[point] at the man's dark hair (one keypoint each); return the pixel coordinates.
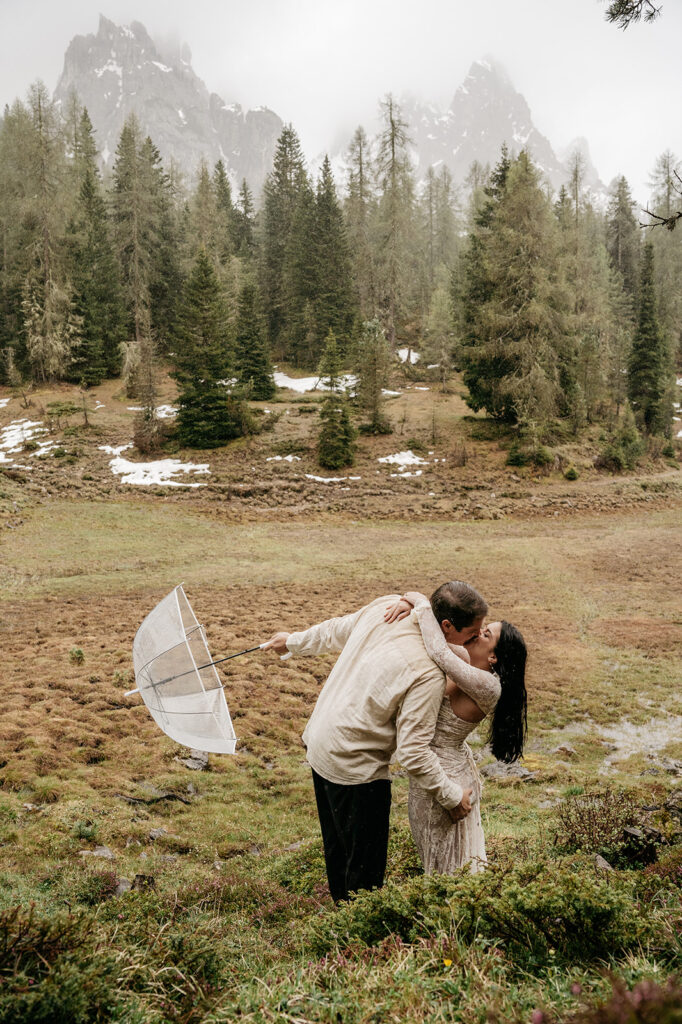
(459, 603)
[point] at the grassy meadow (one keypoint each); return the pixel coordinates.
(135, 889)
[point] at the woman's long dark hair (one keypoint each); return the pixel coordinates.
(509, 723)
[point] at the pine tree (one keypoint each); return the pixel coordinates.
(335, 307)
(359, 209)
(394, 219)
(623, 237)
(281, 194)
(647, 386)
(373, 366)
(439, 338)
(165, 276)
(243, 224)
(253, 365)
(335, 446)
(514, 304)
(97, 292)
(93, 270)
(51, 325)
(300, 281)
(204, 223)
(208, 415)
(135, 229)
(225, 213)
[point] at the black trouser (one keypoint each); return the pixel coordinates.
(354, 822)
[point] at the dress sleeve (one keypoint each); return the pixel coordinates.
(482, 687)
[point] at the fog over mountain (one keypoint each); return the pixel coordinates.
(120, 70)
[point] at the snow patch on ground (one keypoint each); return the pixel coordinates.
(385, 391)
(166, 412)
(407, 458)
(163, 412)
(159, 473)
(115, 451)
(303, 384)
(331, 479)
(402, 356)
(44, 447)
(14, 436)
(4, 402)
(417, 387)
(283, 458)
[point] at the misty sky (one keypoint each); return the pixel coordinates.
(324, 64)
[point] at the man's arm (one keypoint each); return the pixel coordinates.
(330, 635)
(415, 726)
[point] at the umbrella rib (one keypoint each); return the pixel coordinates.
(198, 668)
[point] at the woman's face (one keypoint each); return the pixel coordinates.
(482, 649)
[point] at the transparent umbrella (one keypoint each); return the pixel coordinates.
(177, 679)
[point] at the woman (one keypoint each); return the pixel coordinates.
(487, 677)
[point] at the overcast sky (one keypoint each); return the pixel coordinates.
(323, 64)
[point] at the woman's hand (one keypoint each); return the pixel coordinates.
(414, 597)
(397, 611)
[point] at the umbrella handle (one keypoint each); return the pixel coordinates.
(283, 657)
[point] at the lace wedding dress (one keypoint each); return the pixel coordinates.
(445, 845)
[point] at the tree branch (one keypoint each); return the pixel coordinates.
(657, 220)
(624, 12)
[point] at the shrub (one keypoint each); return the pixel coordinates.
(96, 887)
(571, 473)
(621, 449)
(542, 456)
(596, 823)
(517, 456)
(76, 656)
(667, 872)
(413, 444)
(538, 911)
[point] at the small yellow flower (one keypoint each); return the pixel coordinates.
(552, 952)
(447, 963)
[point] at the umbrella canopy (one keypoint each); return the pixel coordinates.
(177, 680)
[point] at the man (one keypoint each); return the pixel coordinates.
(382, 697)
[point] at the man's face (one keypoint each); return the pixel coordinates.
(461, 636)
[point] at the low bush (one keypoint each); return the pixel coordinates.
(539, 911)
(52, 971)
(96, 887)
(598, 823)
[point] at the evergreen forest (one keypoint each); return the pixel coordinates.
(559, 312)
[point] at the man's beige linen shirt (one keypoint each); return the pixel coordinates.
(382, 697)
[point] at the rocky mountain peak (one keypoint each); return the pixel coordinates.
(485, 112)
(120, 71)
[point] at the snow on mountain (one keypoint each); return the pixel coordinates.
(120, 70)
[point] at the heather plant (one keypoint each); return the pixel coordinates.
(596, 823)
(647, 1002)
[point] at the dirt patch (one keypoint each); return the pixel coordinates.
(652, 636)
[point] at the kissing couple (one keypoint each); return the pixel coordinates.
(413, 678)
